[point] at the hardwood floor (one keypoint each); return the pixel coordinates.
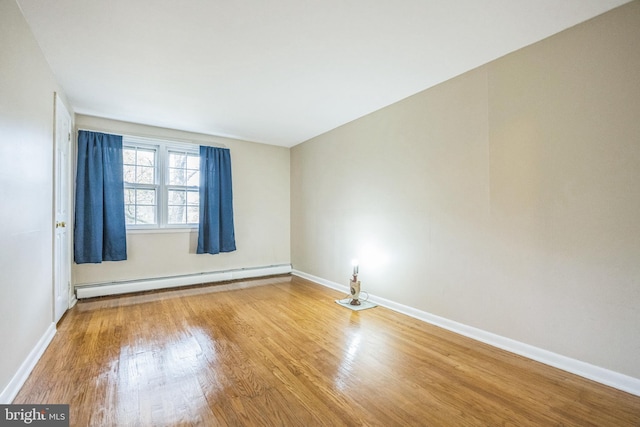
(280, 351)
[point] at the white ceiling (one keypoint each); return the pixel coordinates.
(280, 71)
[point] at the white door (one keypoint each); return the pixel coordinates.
(62, 201)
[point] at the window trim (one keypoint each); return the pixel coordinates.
(162, 148)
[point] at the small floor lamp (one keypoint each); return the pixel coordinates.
(355, 285)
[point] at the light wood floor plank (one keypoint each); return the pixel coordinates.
(280, 351)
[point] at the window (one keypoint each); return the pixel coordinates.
(183, 197)
(140, 184)
(161, 181)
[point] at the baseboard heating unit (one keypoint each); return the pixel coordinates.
(116, 288)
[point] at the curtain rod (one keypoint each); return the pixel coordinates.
(154, 137)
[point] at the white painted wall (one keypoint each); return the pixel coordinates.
(261, 214)
(507, 199)
(27, 89)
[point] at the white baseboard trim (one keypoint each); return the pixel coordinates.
(11, 390)
(601, 375)
(116, 288)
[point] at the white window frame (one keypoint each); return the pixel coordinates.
(162, 148)
(155, 186)
(188, 188)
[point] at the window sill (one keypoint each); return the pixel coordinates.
(167, 230)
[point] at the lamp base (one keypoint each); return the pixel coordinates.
(355, 292)
(363, 304)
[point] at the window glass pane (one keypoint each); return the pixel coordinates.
(193, 213)
(193, 162)
(129, 173)
(193, 178)
(177, 197)
(129, 196)
(129, 156)
(130, 214)
(146, 197)
(146, 215)
(177, 215)
(177, 160)
(193, 198)
(177, 177)
(145, 175)
(146, 157)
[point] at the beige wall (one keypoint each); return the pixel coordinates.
(507, 198)
(261, 214)
(27, 91)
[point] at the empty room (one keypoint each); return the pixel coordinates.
(320, 213)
